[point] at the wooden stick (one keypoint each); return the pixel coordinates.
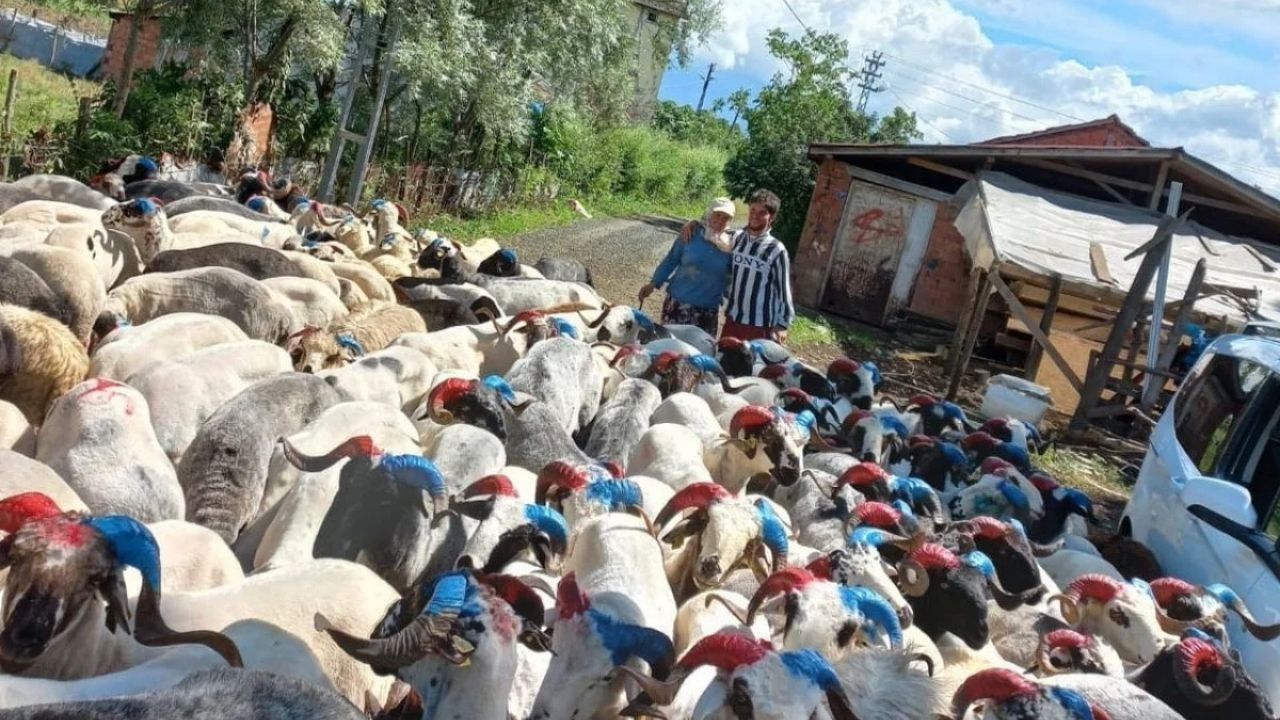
(1025, 318)
(971, 337)
(1046, 324)
(9, 96)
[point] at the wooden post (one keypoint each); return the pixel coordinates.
(1152, 392)
(1134, 302)
(9, 96)
(82, 119)
(1162, 290)
(971, 334)
(1041, 340)
(1046, 323)
(966, 314)
(1131, 357)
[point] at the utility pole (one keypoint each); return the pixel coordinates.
(869, 75)
(706, 81)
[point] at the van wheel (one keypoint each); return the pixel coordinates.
(1126, 528)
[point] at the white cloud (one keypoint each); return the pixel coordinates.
(944, 66)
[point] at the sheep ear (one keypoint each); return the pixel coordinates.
(475, 509)
(113, 591)
(748, 446)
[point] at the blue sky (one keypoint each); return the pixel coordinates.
(1197, 74)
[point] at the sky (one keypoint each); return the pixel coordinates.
(1201, 74)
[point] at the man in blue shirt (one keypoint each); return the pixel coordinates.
(696, 271)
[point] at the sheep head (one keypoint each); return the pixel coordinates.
(859, 382)
(754, 681)
(615, 323)
(941, 464)
(825, 615)
(592, 639)
(581, 494)
(312, 349)
(736, 356)
(509, 527)
(1012, 695)
(1123, 615)
(949, 593)
(731, 531)
(755, 428)
(460, 618)
(1182, 605)
(59, 564)
(1011, 553)
(1067, 651)
(1198, 679)
(860, 565)
(483, 403)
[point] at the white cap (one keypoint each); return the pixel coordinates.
(722, 205)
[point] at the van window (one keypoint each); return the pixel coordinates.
(1211, 408)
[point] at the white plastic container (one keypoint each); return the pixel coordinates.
(1009, 396)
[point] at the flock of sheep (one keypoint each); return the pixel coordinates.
(266, 458)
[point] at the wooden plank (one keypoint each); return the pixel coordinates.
(1157, 189)
(1098, 263)
(1046, 326)
(1208, 247)
(971, 337)
(1163, 231)
(1077, 288)
(1015, 342)
(1263, 260)
(966, 316)
(900, 185)
(1175, 333)
(1114, 193)
(1137, 185)
(940, 168)
(1097, 376)
(1015, 306)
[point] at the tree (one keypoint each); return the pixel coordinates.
(809, 103)
(739, 100)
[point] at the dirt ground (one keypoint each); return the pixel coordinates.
(622, 253)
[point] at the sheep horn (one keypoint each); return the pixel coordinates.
(992, 683)
(695, 495)
(559, 474)
(17, 510)
(751, 417)
(445, 393)
(913, 588)
(151, 630)
(781, 581)
(657, 692)
(358, 446)
(734, 611)
(490, 485)
(1172, 625)
(1190, 656)
(604, 312)
(1070, 606)
(1229, 598)
(405, 647)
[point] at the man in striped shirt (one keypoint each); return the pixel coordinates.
(759, 290)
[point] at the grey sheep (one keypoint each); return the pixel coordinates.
(20, 285)
(224, 694)
(72, 275)
(213, 291)
(223, 472)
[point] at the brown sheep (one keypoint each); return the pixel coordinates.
(40, 360)
(1130, 557)
(372, 328)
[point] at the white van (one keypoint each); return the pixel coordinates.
(1206, 499)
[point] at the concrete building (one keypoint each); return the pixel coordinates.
(654, 22)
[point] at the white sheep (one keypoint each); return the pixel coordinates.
(396, 375)
(310, 301)
(15, 432)
(72, 275)
(99, 438)
(64, 189)
(129, 348)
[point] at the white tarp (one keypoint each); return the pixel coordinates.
(1044, 231)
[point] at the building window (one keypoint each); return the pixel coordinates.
(653, 16)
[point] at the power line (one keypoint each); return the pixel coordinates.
(987, 104)
(796, 15)
(919, 117)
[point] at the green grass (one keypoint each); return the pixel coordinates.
(1088, 472)
(518, 220)
(44, 96)
(812, 329)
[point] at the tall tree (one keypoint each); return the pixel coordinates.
(810, 102)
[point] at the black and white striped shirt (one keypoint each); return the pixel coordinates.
(760, 288)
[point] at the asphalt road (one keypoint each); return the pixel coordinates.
(621, 252)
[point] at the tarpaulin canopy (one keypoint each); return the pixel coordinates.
(1007, 220)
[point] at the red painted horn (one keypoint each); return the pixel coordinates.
(1094, 587)
(522, 598)
(625, 352)
(562, 475)
(923, 400)
(695, 495)
(820, 567)
(358, 446)
(917, 440)
(772, 372)
(864, 474)
(988, 528)
(665, 360)
(977, 439)
(992, 465)
(445, 393)
(1168, 589)
(991, 684)
(729, 343)
(490, 485)
(17, 510)
(570, 600)
(725, 650)
(1067, 639)
(932, 556)
(854, 418)
(878, 514)
(751, 417)
(783, 581)
(842, 366)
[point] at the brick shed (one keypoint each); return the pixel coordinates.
(881, 244)
(151, 49)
